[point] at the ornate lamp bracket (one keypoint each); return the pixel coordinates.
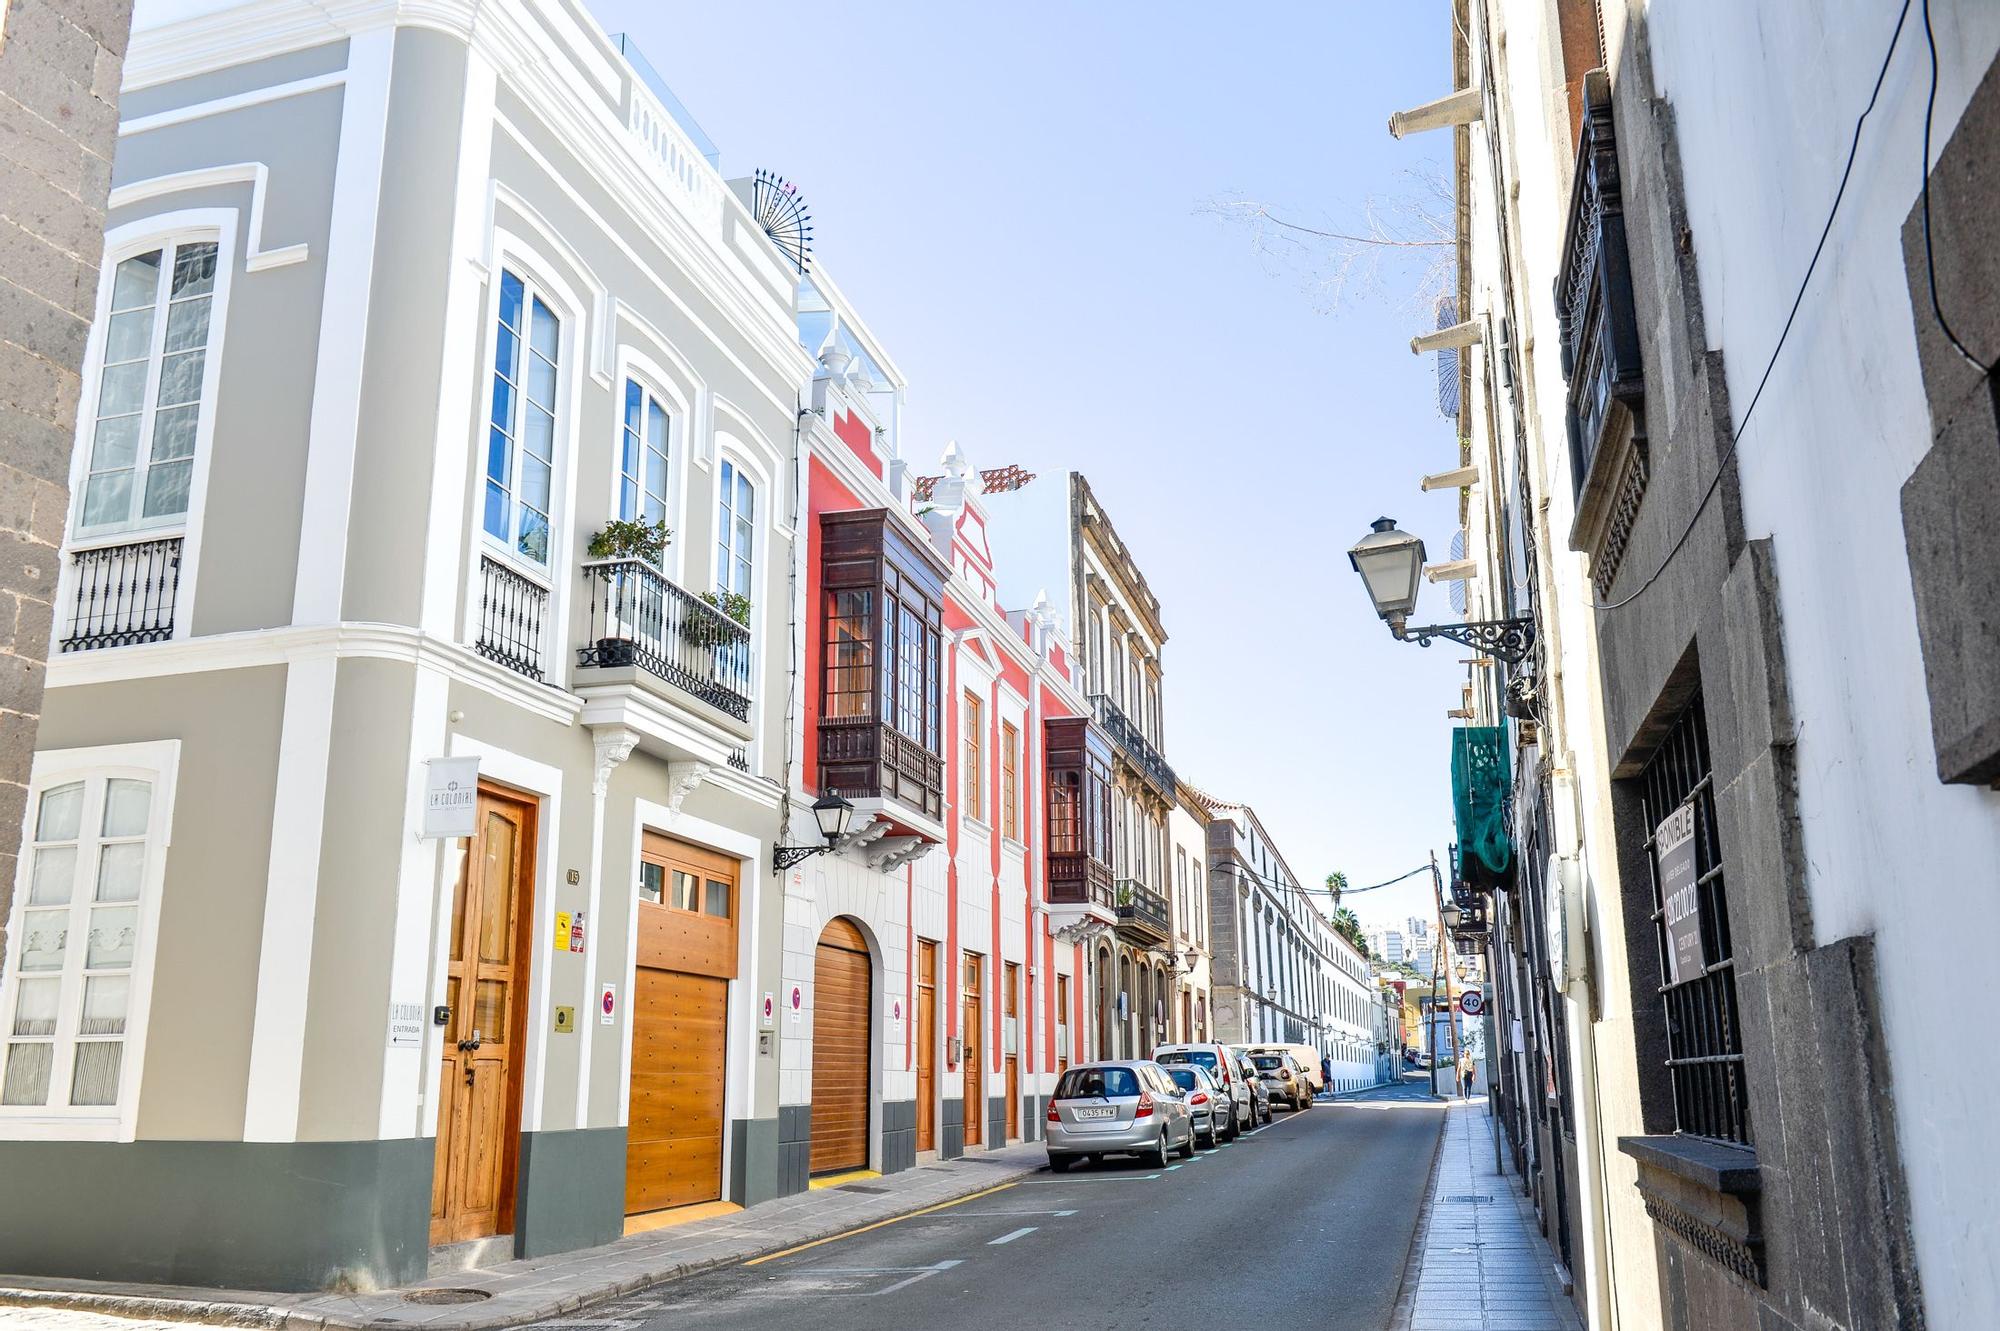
(1509, 639)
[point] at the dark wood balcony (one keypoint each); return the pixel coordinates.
(1142, 914)
(870, 760)
(1079, 880)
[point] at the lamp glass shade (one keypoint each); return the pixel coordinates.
(1390, 563)
(1452, 915)
(832, 813)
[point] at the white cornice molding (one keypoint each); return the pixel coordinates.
(254, 174)
(270, 647)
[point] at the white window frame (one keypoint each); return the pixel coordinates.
(156, 762)
(533, 290)
(512, 254)
(667, 389)
(730, 465)
(121, 243)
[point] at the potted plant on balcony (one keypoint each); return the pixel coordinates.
(703, 631)
(624, 539)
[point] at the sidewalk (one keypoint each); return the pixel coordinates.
(1480, 1262)
(541, 1288)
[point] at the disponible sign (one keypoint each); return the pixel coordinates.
(451, 797)
(1680, 899)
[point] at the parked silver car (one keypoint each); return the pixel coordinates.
(1225, 1067)
(1210, 1108)
(1118, 1108)
(1260, 1095)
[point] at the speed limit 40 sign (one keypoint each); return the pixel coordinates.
(1470, 1003)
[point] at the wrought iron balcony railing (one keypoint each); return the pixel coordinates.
(639, 618)
(1142, 912)
(513, 617)
(1132, 742)
(124, 594)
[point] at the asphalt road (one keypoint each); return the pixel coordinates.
(1305, 1223)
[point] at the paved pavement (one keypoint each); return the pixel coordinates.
(1306, 1222)
(1483, 1264)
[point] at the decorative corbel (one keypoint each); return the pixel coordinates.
(612, 746)
(682, 778)
(861, 834)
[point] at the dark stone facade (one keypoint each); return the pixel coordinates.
(794, 1149)
(234, 1215)
(951, 1140)
(571, 1190)
(60, 65)
(996, 1121)
(1951, 503)
(899, 1135)
(753, 1161)
(1808, 1225)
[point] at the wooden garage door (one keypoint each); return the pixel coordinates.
(673, 1153)
(680, 993)
(840, 1051)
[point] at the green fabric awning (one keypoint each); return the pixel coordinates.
(1479, 783)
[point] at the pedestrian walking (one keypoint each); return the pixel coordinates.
(1465, 1075)
(1326, 1074)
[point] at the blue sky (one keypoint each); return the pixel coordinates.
(1015, 198)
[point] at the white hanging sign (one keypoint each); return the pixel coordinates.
(451, 797)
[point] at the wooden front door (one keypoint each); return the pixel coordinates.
(680, 1020)
(1010, 995)
(840, 1068)
(486, 986)
(1062, 1024)
(926, 1045)
(975, 1056)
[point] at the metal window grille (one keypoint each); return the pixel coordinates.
(124, 594)
(1704, 1034)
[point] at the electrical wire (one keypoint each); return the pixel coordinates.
(1736, 435)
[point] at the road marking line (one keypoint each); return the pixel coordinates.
(1172, 1168)
(1022, 1232)
(1109, 1178)
(863, 1229)
(1004, 1215)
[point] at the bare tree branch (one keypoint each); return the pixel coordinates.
(1405, 245)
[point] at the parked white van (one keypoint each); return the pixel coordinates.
(1307, 1056)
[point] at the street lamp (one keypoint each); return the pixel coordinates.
(831, 812)
(1390, 563)
(1452, 915)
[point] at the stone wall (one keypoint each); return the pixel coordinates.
(60, 63)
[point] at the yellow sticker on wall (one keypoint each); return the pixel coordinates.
(562, 931)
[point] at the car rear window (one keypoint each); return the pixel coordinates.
(1087, 1083)
(1183, 1078)
(1269, 1062)
(1199, 1057)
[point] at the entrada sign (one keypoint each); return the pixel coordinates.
(1680, 898)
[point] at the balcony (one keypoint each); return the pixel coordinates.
(1137, 749)
(639, 620)
(1142, 914)
(1600, 346)
(1080, 880)
(513, 618)
(124, 594)
(870, 760)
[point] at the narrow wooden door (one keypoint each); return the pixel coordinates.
(840, 1054)
(1062, 1024)
(1010, 995)
(975, 1056)
(926, 1045)
(479, 1085)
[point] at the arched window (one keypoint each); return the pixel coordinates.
(521, 441)
(642, 457)
(147, 400)
(735, 530)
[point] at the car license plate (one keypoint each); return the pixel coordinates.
(1106, 1112)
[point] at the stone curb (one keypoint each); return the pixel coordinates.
(273, 1317)
(1413, 1261)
